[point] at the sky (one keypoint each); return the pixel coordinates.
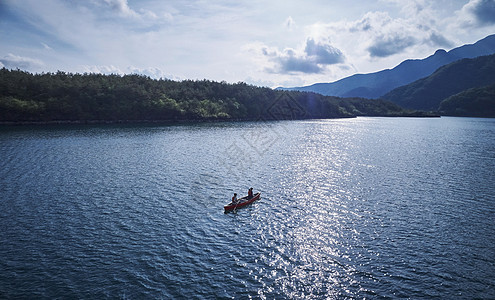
(266, 43)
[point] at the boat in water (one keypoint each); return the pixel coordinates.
(244, 201)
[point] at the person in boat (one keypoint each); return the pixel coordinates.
(250, 193)
(234, 199)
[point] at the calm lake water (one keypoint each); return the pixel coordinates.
(351, 208)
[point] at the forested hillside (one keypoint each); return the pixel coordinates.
(429, 92)
(475, 102)
(49, 97)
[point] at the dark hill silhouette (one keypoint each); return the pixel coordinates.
(475, 102)
(374, 85)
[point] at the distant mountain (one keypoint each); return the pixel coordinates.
(374, 85)
(475, 102)
(427, 93)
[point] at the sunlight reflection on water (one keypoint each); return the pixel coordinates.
(314, 261)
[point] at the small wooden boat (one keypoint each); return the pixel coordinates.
(242, 202)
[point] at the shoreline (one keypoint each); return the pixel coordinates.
(193, 121)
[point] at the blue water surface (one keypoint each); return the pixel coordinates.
(351, 208)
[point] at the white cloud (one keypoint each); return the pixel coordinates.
(323, 52)
(377, 35)
(121, 7)
(386, 45)
(46, 47)
(436, 39)
(478, 13)
(151, 72)
(109, 69)
(409, 8)
(384, 35)
(313, 57)
(375, 41)
(11, 61)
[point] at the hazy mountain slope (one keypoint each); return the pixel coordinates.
(374, 85)
(427, 93)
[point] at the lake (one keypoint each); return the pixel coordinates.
(350, 208)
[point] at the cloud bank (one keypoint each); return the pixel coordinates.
(312, 58)
(415, 29)
(254, 41)
(11, 61)
(151, 72)
(381, 35)
(384, 46)
(481, 11)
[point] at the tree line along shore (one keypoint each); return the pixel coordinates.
(93, 98)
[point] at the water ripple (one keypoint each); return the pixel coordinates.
(362, 208)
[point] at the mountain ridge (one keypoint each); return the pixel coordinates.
(428, 93)
(377, 84)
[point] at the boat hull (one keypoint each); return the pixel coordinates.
(244, 201)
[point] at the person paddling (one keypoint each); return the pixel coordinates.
(234, 199)
(250, 193)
